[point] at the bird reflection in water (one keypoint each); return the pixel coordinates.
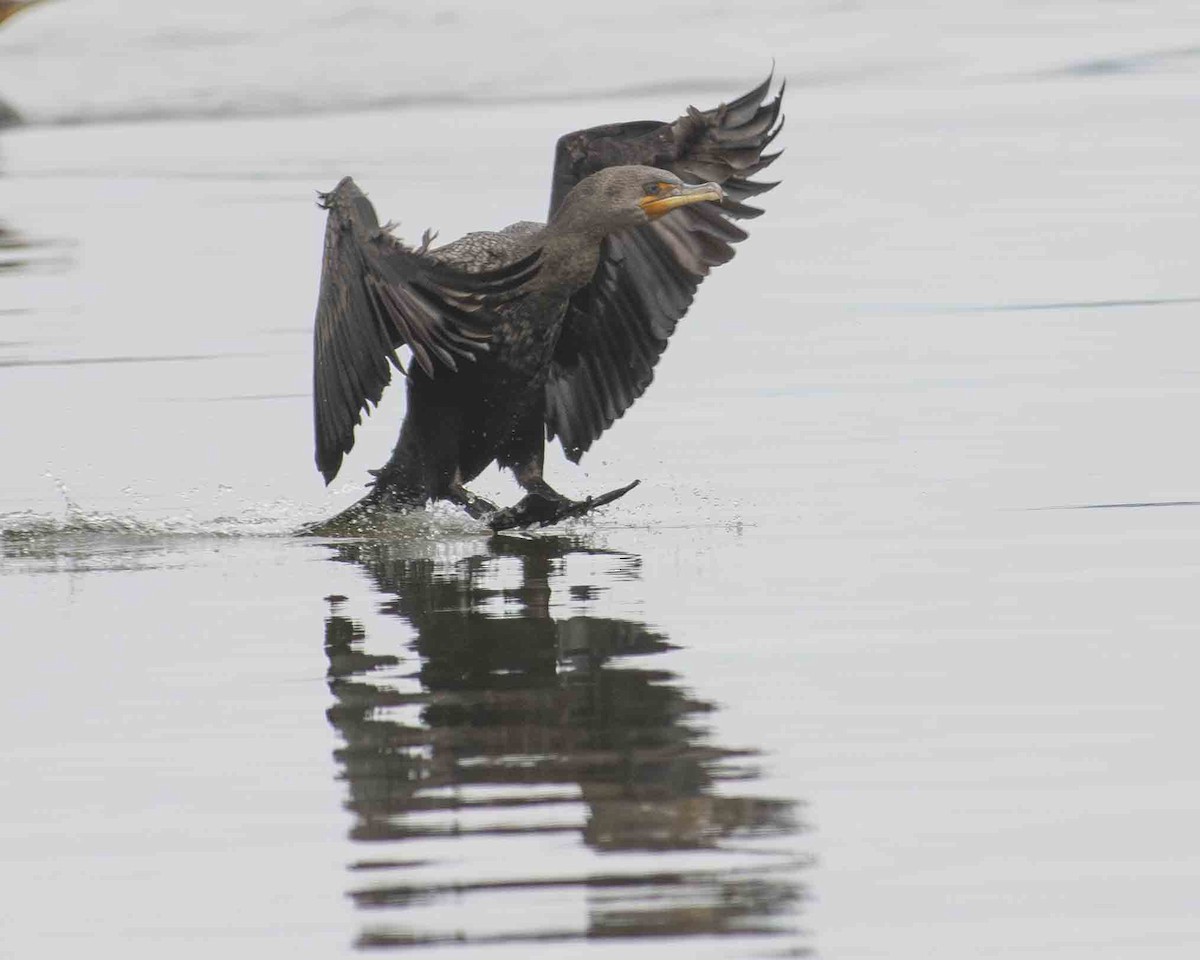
(530, 724)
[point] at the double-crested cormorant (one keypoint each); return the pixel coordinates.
(537, 331)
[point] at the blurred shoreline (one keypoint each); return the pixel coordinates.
(70, 63)
(700, 88)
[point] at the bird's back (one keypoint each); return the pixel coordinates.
(486, 250)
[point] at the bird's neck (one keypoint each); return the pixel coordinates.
(570, 253)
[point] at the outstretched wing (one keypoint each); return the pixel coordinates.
(724, 145)
(377, 295)
(617, 326)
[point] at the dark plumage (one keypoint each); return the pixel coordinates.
(537, 331)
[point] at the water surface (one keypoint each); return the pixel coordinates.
(891, 652)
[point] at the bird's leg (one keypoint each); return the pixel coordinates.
(477, 506)
(541, 503)
(529, 476)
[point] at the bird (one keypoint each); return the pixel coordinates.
(537, 331)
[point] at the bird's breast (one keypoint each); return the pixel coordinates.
(524, 339)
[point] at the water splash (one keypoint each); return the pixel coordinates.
(80, 540)
(153, 528)
(76, 538)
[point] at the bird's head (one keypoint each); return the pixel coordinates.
(617, 198)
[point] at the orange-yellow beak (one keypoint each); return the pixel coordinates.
(681, 196)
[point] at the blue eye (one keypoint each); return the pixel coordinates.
(652, 189)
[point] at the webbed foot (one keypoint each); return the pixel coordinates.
(544, 507)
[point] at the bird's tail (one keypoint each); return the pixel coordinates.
(400, 485)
